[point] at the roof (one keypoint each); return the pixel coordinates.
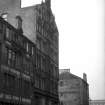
(67, 76)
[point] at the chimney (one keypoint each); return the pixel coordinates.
(84, 77)
(19, 24)
(48, 3)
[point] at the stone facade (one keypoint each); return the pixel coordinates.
(38, 24)
(13, 9)
(72, 90)
(39, 30)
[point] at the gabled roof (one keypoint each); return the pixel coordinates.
(67, 76)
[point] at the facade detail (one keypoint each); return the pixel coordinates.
(72, 89)
(29, 71)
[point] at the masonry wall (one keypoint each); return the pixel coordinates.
(72, 90)
(13, 9)
(9, 4)
(69, 93)
(29, 22)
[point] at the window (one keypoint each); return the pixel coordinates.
(6, 82)
(61, 83)
(13, 35)
(61, 94)
(25, 63)
(7, 33)
(32, 50)
(12, 82)
(11, 57)
(43, 64)
(18, 61)
(1, 26)
(37, 82)
(26, 88)
(10, 35)
(39, 43)
(42, 83)
(27, 47)
(9, 81)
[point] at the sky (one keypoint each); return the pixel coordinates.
(81, 40)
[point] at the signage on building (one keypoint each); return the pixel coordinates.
(10, 97)
(26, 100)
(15, 98)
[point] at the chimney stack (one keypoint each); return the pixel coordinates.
(48, 3)
(84, 77)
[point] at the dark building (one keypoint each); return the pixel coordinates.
(28, 68)
(17, 57)
(72, 89)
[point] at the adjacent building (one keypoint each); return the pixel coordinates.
(29, 71)
(97, 102)
(73, 90)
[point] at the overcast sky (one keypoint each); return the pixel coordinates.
(81, 39)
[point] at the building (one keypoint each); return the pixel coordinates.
(16, 66)
(38, 24)
(72, 89)
(22, 78)
(97, 102)
(28, 54)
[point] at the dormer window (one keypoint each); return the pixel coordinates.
(19, 23)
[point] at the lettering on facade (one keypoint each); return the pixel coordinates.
(26, 100)
(8, 97)
(5, 68)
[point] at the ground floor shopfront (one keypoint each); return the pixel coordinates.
(43, 98)
(35, 99)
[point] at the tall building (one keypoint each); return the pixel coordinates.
(38, 25)
(29, 54)
(72, 89)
